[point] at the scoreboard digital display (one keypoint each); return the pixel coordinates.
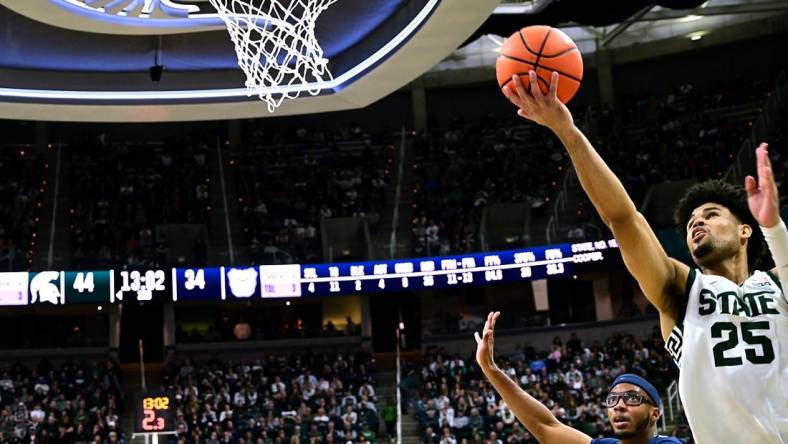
(295, 280)
(154, 413)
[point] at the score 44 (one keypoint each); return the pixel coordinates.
(84, 282)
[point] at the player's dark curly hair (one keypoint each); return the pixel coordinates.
(732, 197)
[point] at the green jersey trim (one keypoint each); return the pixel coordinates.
(688, 286)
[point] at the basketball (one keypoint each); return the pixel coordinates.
(542, 49)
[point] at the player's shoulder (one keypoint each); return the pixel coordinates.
(654, 440)
(764, 278)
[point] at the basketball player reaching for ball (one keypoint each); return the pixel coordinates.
(725, 325)
(633, 404)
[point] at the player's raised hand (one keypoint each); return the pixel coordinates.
(484, 343)
(762, 193)
(544, 109)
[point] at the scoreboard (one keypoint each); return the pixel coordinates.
(153, 413)
(296, 280)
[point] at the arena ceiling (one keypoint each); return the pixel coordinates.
(90, 60)
(654, 22)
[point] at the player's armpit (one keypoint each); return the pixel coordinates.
(661, 278)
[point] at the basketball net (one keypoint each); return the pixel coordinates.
(276, 46)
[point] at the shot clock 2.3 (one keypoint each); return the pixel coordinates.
(154, 414)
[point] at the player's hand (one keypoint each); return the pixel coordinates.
(484, 344)
(544, 109)
(762, 193)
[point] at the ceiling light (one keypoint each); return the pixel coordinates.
(690, 18)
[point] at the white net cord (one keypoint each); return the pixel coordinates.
(276, 46)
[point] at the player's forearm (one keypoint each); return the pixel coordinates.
(531, 413)
(777, 239)
(605, 190)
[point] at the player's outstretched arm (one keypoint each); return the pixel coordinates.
(660, 277)
(531, 413)
(764, 204)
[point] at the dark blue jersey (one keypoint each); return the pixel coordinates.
(654, 440)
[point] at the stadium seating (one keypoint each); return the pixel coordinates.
(684, 135)
(74, 402)
(285, 184)
(20, 200)
(461, 169)
(124, 191)
(308, 398)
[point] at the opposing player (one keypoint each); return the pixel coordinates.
(725, 325)
(633, 404)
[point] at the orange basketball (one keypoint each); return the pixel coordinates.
(542, 49)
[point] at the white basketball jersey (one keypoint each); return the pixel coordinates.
(732, 352)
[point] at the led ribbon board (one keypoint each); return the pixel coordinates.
(56, 287)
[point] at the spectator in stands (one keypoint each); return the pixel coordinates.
(330, 328)
(351, 327)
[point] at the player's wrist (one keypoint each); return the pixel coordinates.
(482, 365)
(488, 368)
(565, 131)
(770, 225)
